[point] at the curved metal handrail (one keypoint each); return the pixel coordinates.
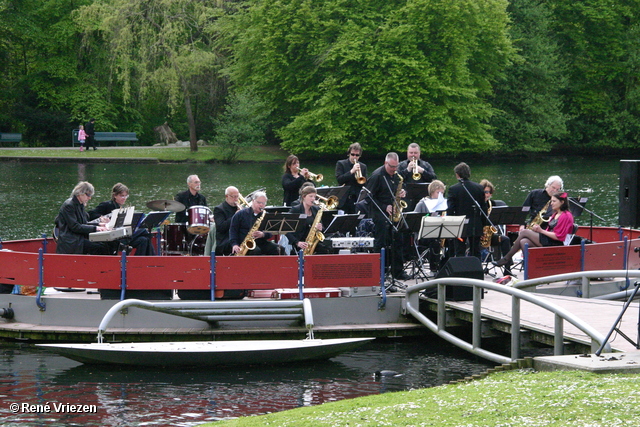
(579, 275)
(412, 301)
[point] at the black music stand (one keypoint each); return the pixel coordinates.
(342, 224)
(277, 209)
(340, 192)
(282, 223)
(154, 219)
(412, 222)
(576, 205)
(416, 190)
(502, 215)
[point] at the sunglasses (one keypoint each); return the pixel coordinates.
(354, 154)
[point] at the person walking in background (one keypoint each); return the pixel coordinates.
(82, 136)
(90, 131)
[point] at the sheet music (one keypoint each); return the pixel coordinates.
(436, 205)
(121, 217)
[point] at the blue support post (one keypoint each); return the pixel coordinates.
(620, 233)
(383, 292)
(212, 261)
(625, 258)
(40, 303)
(525, 260)
(583, 250)
(123, 274)
(158, 242)
(44, 242)
(300, 274)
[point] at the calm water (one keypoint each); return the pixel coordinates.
(181, 397)
(30, 196)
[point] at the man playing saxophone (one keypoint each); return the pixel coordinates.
(309, 238)
(243, 222)
(384, 188)
(539, 198)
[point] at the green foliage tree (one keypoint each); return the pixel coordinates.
(529, 100)
(381, 72)
(243, 124)
(161, 46)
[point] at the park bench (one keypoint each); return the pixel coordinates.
(10, 138)
(114, 137)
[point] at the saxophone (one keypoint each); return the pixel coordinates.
(314, 235)
(398, 203)
(488, 231)
(249, 243)
(539, 219)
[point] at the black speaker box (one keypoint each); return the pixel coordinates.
(143, 294)
(629, 212)
(468, 266)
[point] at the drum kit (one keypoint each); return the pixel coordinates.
(184, 239)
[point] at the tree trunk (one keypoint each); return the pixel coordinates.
(193, 140)
(165, 135)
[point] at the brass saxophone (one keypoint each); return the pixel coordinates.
(398, 203)
(488, 231)
(539, 219)
(314, 235)
(249, 243)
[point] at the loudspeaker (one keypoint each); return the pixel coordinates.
(629, 213)
(468, 266)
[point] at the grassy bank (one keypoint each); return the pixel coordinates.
(164, 154)
(515, 398)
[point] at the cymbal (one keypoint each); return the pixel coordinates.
(166, 205)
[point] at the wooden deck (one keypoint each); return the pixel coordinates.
(599, 314)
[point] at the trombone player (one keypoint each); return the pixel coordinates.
(351, 172)
(414, 169)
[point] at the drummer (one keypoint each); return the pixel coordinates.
(190, 197)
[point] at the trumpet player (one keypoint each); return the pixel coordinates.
(293, 179)
(351, 172)
(539, 198)
(414, 169)
(242, 222)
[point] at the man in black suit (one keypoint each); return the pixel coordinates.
(222, 215)
(346, 170)
(90, 130)
(412, 164)
(467, 198)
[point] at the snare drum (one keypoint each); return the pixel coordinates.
(199, 220)
(174, 236)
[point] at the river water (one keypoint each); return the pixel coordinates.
(30, 196)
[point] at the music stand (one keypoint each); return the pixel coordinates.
(501, 215)
(277, 209)
(282, 223)
(412, 222)
(441, 227)
(154, 219)
(416, 190)
(340, 192)
(576, 205)
(341, 224)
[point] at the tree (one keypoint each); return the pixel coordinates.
(381, 72)
(160, 45)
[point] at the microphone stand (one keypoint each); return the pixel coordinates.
(476, 208)
(591, 215)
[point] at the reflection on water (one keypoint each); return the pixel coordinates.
(31, 193)
(186, 397)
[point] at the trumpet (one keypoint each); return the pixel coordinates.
(312, 176)
(330, 202)
(359, 178)
(416, 175)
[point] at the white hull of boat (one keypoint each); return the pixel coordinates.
(206, 353)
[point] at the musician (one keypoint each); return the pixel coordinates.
(141, 239)
(72, 223)
(293, 179)
(308, 207)
(346, 170)
(500, 239)
(383, 187)
(467, 198)
(436, 190)
(560, 225)
(538, 199)
(190, 197)
(243, 221)
(406, 169)
(222, 215)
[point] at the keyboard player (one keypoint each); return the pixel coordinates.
(73, 227)
(141, 239)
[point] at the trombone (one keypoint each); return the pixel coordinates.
(416, 175)
(330, 202)
(242, 201)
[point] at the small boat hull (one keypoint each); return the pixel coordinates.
(206, 353)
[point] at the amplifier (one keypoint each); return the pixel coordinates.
(352, 242)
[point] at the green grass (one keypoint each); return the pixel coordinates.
(515, 398)
(266, 153)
